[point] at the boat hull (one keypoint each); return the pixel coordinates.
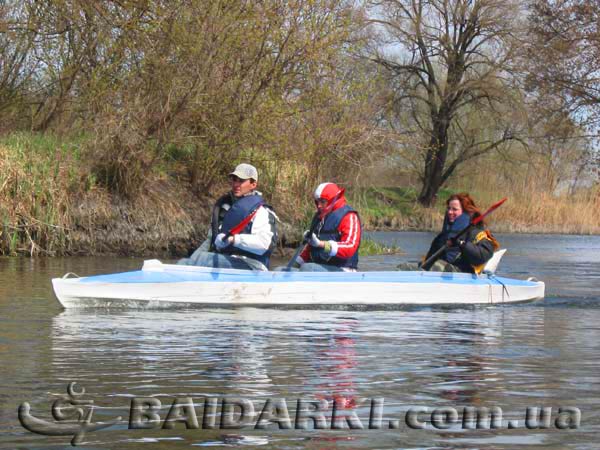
(158, 285)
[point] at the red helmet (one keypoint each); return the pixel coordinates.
(331, 193)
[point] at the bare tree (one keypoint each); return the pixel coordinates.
(564, 55)
(562, 59)
(448, 60)
(16, 47)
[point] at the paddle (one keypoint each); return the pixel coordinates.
(296, 253)
(240, 226)
(433, 258)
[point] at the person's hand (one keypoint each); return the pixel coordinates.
(306, 236)
(453, 242)
(298, 262)
(315, 242)
(221, 242)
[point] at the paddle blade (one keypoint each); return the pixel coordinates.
(495, 206)
(240, 226)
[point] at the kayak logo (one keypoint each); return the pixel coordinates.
(73, 416)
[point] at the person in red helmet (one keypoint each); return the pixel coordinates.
(334, 235)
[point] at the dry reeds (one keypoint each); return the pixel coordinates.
(51, 205)
(535, 205)
(37, 176)
(542, 212)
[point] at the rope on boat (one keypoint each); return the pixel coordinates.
(491, 276)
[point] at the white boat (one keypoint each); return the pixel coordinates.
(159, 285)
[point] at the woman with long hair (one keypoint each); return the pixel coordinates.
(471, 251)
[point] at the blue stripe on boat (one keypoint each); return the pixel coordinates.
(140, 276)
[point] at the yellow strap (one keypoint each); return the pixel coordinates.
(490, 237)
(478, 268)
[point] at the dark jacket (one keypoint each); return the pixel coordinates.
(477, 249)
(328, 229)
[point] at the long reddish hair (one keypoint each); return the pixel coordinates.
(466, 203)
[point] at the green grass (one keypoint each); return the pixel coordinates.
(369, 247)
(384, 207)
(383, 202)
(37, 144)
(44, 176)
(38, 175)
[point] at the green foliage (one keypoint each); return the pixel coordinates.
(369, 247)
(381, 202)
(126, 96)
(204, 84)
(178, 153)
(38, 175)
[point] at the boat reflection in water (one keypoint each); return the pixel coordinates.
(248, 353)
(411, 358)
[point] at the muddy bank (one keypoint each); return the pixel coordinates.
(165, 221)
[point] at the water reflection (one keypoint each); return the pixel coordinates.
(336, 362)
(543, 354)
(460, 371)
(455, 357)
(241, 348)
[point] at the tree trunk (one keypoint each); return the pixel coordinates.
(436, 159)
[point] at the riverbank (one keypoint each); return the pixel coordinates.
(52, 204)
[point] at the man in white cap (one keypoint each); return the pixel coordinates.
(243, 230)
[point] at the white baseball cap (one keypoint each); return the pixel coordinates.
(245, 171)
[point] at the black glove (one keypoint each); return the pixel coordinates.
(456, 242)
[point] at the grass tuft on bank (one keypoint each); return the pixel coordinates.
(369, 247)
(38, 177)
(545, 213)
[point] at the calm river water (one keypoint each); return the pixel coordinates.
(514, 357)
